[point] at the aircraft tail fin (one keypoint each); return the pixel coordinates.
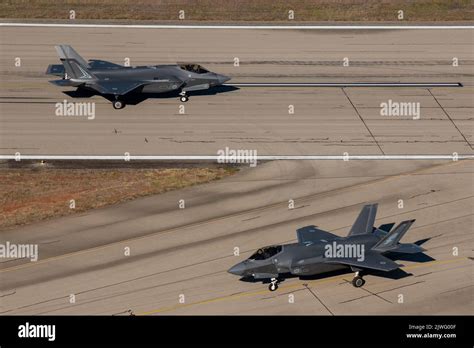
(390, 241)
(365, 221)
(76, 67)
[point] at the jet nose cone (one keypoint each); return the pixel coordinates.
(222, 79)
(237, 269)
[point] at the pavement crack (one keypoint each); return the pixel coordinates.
(317, 298)
(363, 121)
(449, 118)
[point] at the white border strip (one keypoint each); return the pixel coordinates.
(264, 27)
(238, 158)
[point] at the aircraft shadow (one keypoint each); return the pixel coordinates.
(396, 274)
(80, 93)
(137, 98)
(421, 241)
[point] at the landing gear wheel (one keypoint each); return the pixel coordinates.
(118, 104)
(358, 281)
(184, 98)
(273, 284)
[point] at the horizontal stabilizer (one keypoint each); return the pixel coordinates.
(311, 234)
(372, 260)
(407, 248)
(55, 69)
(64, 83)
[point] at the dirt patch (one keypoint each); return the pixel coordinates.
(31, 195)
(242, 10)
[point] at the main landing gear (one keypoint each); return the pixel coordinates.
(273, 284)
(358, 281)
(183, 97)
(118, 104)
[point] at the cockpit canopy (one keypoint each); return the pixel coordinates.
(266, 252)
(195, 68)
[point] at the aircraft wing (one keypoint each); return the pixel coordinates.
(372, 260)
(311, 234)
(115, 87)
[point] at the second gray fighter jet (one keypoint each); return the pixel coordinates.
(365, 248)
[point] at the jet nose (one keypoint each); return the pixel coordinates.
(222, 79)
(237, 269)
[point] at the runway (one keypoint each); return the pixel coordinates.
(183, 254)
(326, 121)
(179, 257)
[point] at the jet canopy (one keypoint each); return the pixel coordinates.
(195, 68)
(266, 252)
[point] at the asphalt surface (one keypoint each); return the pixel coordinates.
(325, 120)
(186, 252)
(183, 254)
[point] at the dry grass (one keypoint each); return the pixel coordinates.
(241, 10)
(28, 196)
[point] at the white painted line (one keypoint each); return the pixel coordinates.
(264, 27)
(345, 84)
(228, 158)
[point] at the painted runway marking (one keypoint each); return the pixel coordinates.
(243, 27)
(344, 84)
(347, 157)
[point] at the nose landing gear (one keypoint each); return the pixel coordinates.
(183, 97)
(273, 284)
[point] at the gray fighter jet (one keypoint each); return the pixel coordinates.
(318, 251)
(116, 82)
